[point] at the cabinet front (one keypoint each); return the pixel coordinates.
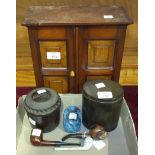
(57, 58)
(66, 56)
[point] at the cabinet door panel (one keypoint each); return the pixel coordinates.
(60, 84)
(53, 54)
(100, 53)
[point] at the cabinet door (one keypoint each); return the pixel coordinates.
(99, 53)
(56, 57)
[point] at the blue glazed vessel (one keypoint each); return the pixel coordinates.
(72, 119)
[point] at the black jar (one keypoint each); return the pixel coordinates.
(101, 103)
(43, 108)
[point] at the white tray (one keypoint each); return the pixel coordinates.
(121, 141)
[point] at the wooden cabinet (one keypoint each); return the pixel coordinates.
(70, 45)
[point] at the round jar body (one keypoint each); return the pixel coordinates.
(103, 111)
(43, 110)
(47, 123)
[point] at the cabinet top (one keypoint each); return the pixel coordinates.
(81, 15)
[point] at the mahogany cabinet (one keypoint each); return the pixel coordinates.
(70, 45)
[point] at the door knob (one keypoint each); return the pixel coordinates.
(72, 74)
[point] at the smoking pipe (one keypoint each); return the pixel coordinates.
(97, 133)
(36, 138)
(86, 145)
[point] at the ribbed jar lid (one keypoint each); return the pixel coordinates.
(42, 101)
(102, 90)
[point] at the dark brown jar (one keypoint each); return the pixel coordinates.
(101, 103)
(43, 108)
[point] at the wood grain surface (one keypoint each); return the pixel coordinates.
(79, 15)
(24, 67)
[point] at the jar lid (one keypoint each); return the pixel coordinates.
(103, 90)
(42, 101)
